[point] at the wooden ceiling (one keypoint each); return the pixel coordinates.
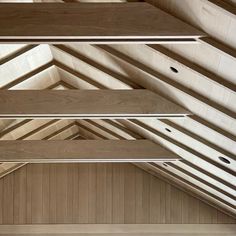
(199, 77)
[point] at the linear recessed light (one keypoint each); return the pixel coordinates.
(225, 160)
(174, 69)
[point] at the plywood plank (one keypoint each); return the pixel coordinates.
(59, 151)
(86, 104)
(120, 229)
(93, 23)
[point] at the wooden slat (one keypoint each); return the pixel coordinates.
(86, 104)
(62, 151)
(120, 229)
(93, 23)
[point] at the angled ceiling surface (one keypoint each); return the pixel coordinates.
(199, 77)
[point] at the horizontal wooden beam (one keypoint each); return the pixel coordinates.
(121, 229)
(65, 151)
(92, 23)
(86, 104)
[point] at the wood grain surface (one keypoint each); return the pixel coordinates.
(88, 22)
(86, 103)
(47, 151)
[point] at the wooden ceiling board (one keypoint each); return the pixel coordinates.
(204, 85)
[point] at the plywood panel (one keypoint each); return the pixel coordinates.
(95, 193)
(121, 230)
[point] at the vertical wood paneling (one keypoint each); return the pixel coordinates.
(52, 196)
(118, 194)
(138, 196)
(97, 193)
(46, 194)
(130, 196)
(75, 199)
(8, 200)
(168, 209)
(108, 193)
(207, 214)
(92, 195)
(29, 177)
(20, 196)
(193, 216)
(155, 200)
(224, 219)
(162, 205)
(61, 193)
(83, 193)
(146, 197)
(1, 202)
(176, 206)
(70, 193)
(37, 193)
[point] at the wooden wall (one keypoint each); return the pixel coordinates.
(96, 193)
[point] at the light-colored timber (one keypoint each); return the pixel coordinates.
(65, 151)
(91, 23)
(86, 104)
(121, 229)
